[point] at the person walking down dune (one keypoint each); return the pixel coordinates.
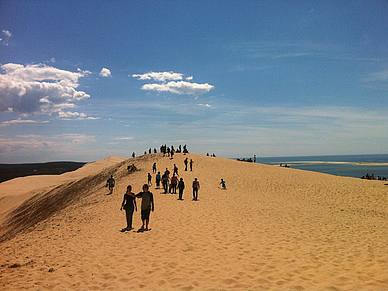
(154, 168)
(181, 187)
(149, 179)
(147, 205)
(186, 162)
(111, 183)
(129, 205)
(195, 189)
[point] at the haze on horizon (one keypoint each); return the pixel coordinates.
(84, 80)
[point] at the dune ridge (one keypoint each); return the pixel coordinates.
(272, 229)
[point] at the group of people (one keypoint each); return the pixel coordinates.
(165, 150)
(170, 185)
(250, 160)
(372, 177)
(129, 205)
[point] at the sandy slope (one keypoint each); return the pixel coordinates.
(272, 229)
(16, 191)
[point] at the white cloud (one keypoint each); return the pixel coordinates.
(205, 105)
(5, 40)
(7, 33)
(124, 138)
(105, 73)
(190, 78)
(181, 87)
(159, 76)
(39, 89)
(74, 115)
(20, 121)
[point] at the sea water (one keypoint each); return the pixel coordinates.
(346, 165)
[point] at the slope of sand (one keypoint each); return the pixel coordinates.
(272, 229)
(16, 191)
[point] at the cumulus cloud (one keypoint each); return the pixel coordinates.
(175, 85)
(159, 76)
(105, 73)
(39, 89)
(181, 87)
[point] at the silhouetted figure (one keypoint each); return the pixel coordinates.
(158, 179)
(111, 183)
(196, 187)
(154, 168)
(129, 205)
(147, 205)
(181, 187)
(191, 165)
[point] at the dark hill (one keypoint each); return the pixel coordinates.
(11, 171)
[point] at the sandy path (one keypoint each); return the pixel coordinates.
(272, 229)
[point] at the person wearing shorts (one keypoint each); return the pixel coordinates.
(147, 205)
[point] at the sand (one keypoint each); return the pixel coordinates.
(274, 228)
(16, 191)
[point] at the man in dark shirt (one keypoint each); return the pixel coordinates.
(147, 205)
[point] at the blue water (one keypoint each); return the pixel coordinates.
(351, 168)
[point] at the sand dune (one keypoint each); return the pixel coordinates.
(272, 229)
(16, 191)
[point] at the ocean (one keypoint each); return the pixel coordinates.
(345, 165)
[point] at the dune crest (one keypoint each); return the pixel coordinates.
(272, 229)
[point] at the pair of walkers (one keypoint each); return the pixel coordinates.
(129, 205)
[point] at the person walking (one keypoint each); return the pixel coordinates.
(158, 178)
(174, 183)
(175, 170)
(191, 165)
(181, 187)
(196, 187)
(147, 205)
(165, 179)
(129, 205)
(154, 168)
(186, 163)
(149, 179)
(111, 183)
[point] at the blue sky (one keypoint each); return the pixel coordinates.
(83, 80)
